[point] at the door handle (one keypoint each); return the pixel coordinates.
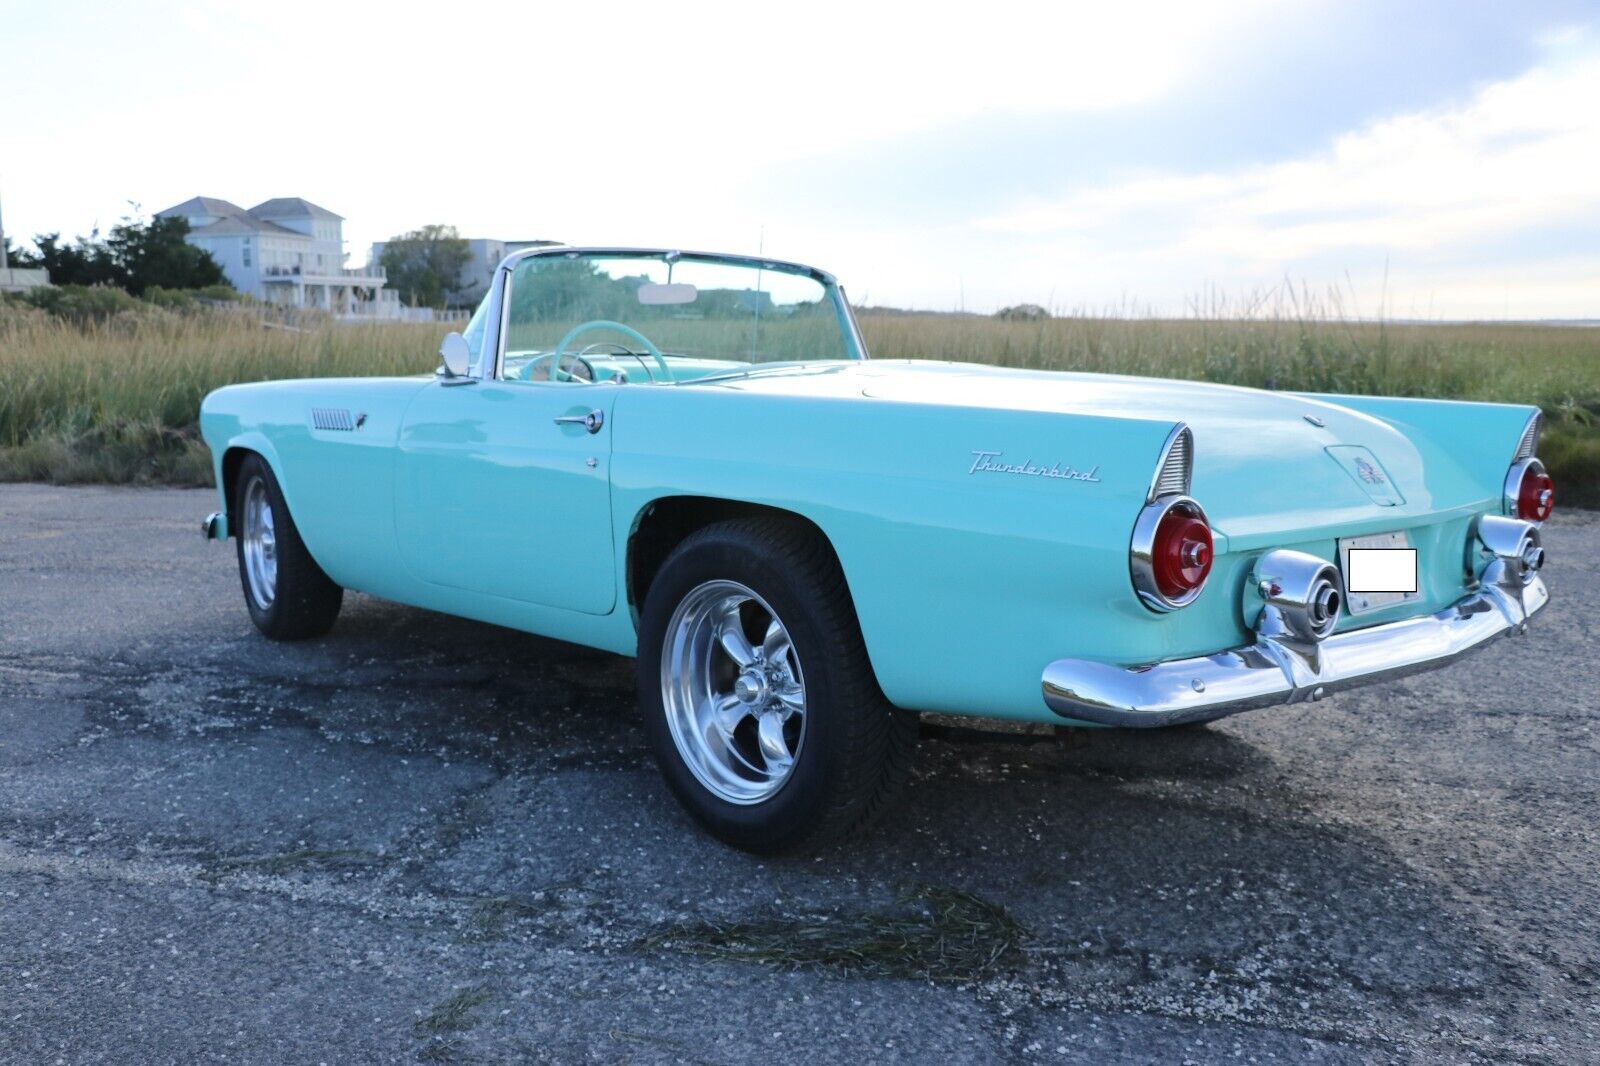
(592, 421)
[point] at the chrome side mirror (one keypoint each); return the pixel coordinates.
(455, 355)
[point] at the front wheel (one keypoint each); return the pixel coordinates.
(288, 595)
(760, 705)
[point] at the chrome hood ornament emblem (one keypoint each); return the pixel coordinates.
(987, 462)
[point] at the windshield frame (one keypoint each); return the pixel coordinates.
(500, 307)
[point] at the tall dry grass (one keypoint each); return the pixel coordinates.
(117, 401)
(1548, 365)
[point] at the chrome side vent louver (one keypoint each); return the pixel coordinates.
(1176, 468)
(337, 418)
(1530, 438)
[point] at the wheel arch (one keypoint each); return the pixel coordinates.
(663, 523)
(233, 457)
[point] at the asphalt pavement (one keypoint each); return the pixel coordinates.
(425, 839)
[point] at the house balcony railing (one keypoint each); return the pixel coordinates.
(299, 270)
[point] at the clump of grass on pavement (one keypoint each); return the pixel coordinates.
(932, 934)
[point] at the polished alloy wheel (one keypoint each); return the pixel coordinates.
(260, 544)
(734, 696)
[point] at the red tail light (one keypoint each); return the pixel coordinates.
(1182, 552)
(1536, 495)
(1171, 553)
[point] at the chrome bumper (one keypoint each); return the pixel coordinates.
(1282, 669)
(215, 527)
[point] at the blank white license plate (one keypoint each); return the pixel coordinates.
(1379, 571)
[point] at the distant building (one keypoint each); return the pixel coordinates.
(285, 251)
(18, 279)
(476, 274)
(14, 279)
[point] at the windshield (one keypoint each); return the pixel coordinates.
(636, 314)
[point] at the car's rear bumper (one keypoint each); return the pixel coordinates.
(1280, 669)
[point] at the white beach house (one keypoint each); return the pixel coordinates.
(286, 251)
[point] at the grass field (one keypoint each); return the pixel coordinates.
(116, 401)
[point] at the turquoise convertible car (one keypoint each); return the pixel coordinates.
(689, 458)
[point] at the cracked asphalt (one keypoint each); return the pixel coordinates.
(424, 839)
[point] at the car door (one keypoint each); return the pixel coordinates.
(502, 488)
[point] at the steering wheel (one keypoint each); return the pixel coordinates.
(589, 327)
(620, 349)
(555, 358)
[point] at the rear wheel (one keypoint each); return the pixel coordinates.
(286, 592)
(760, 705)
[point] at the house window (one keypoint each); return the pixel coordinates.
(247, 251)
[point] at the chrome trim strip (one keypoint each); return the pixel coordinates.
(623, 252)
(1178, 448)
(1281, 668)
(1528, 444)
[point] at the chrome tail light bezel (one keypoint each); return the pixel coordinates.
(1512, 490)
(1141, 554)
(1169, 490)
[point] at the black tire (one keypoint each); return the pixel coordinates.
(857, 750)
(304, 601)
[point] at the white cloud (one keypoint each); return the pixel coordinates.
(1520, 153)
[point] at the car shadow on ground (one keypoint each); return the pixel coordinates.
(1181, 872)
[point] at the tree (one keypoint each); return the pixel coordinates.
(136, 256)
(83, 262)
(155, 254)
(19, 258)
(1022, 313)
(424, 266)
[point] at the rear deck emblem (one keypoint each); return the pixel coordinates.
(1366, 471)
(1369, 473)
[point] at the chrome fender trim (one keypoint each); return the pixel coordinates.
(215, 526)
(1278, 669)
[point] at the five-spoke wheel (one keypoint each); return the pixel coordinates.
(733, 691)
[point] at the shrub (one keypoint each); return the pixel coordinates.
(82, 304)
(171, 299)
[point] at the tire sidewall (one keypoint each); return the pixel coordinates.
(774, 822)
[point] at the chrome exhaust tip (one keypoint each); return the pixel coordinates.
(1300, 594)
(1517, 548)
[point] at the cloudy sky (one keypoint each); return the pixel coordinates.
(1414, 158)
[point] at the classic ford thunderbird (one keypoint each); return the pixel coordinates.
(689, 459)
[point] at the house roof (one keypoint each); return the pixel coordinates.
(204, 205)
(231, 218)
(245, 224)
(291, 207)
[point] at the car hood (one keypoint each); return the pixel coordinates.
(1264, 461)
